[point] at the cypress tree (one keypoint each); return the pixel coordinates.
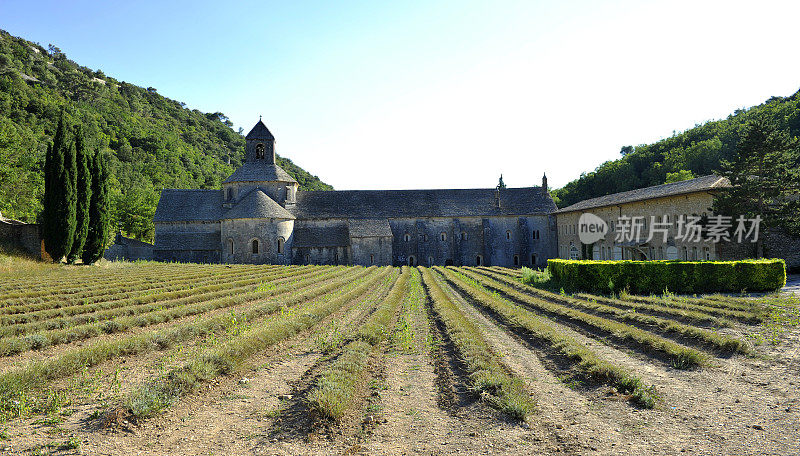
(97, 234)
(83, 193)
(58, 217)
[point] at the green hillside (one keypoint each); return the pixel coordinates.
(698, 150)
(153, 142)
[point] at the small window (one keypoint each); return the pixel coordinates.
(516, 260)
(479, 260)
(255, 246)
(230, 246)
(508, 235)
(372, 259)
(430, 261)
(443, 236)
(407, 237)
(463, 236)
(230, 194)
(280, 244)
(260, 151)
(412, 261)
(533, 259)
(308, 259)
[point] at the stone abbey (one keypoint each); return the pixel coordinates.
(260, 216)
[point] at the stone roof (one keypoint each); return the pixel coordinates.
(700, 184)
(260, 131)
(188, 241)
(122, 240)
(366, 204)
(189, 205)
(259, 171)
(257, 204)
(328, 236)
(206, 205)
(359, 228)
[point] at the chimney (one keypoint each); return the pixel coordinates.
(544, 182)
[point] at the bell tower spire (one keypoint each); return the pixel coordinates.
(260, 144)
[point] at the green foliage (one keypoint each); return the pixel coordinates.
(98, 225)
(646, 277)
(151, 142)
(83, 190)
(700, 150)
(58, 217)
(765, 177)
(679, 176)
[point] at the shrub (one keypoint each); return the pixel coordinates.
(688, 277)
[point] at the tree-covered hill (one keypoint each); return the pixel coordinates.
(695, 152)
(153, 142)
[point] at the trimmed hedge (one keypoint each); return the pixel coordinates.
(686, 277)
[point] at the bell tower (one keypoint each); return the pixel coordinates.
(260, 145)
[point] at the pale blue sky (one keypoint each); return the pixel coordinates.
(439, 94)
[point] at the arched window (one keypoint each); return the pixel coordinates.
(463, 236)
(372, 259)
(308, 259)
(430, 261)
(533, 259)
(479, 260)
(260, 151)
(508, 235)
(255, 246)
(280, 244)
(573, 253)
(230, 194)
(516, 260)
(443, 236)
(230, 246)
(407, 237)
(412, 261)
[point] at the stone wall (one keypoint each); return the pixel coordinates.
(466, 241)
(187, 242)
(368, 251)
(321, 255)
(24, 236)
(777, 243)
(238, 235)
(666, 209)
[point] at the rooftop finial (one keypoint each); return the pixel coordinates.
(259, 117)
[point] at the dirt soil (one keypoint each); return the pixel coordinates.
(418, 404)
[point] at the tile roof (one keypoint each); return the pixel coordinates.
(257, 204)
(365, 204)
(206, 205)
(189, 205)
(700, 184)
(314, 236)
(259, 171)
(369, 228)
(260, 131)
(188, 241)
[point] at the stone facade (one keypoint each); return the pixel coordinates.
(24, 236)
(663, 206)
(260, 216)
